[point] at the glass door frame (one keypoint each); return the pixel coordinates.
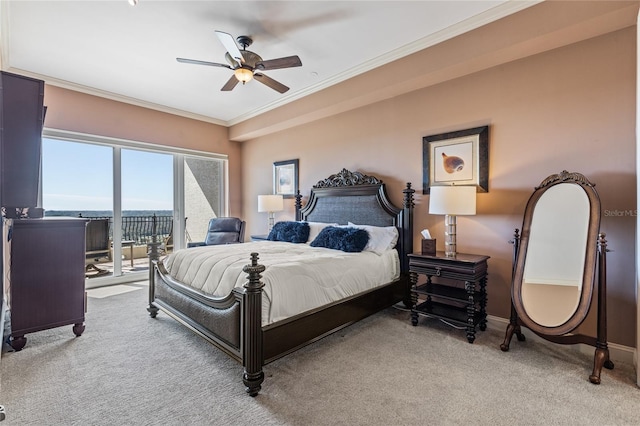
(117, 145)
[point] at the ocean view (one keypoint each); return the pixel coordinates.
(106, 213)
(136, 224)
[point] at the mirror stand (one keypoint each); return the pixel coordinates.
(601, 356)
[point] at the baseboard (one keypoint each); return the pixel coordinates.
(617, 352)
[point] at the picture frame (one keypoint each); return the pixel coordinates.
(285, 178)
(456, 158)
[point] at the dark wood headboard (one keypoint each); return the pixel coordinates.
(355, 197)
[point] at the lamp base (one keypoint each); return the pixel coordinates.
(271, 220)
(450, 235)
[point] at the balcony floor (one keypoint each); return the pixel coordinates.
(139, 265)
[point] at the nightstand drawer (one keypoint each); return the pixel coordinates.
(451, 273)
(457, 268)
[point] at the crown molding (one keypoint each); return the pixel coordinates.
(116, 97)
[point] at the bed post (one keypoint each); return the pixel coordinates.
(153, 252)
(253, 353)
(407, 226)
(298, 205)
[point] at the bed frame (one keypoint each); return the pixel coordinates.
(233, 323)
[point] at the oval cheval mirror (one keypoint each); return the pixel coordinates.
(559, 258)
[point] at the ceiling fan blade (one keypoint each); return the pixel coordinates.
(196, 62)
(230, 44)
(267, 81)
(274, 64)
(229, 85)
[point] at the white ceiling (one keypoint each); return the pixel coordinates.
(128, 53)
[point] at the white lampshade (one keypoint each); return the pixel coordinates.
(452, 200)
(270, 203)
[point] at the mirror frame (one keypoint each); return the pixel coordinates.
(591, 252)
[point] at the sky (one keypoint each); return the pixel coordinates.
(79, 176)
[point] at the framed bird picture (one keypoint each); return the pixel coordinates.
(456, 158)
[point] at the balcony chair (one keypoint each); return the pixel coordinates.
(98, 247)
(222, 230)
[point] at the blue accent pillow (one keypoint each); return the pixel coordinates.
(291, 232)
(347, 239)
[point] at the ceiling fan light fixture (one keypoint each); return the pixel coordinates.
(243, 74)
(244, 64)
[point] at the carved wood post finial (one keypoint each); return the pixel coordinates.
(516, 237)
(408, 196)
(298, 205)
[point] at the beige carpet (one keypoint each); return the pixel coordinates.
(129, 369)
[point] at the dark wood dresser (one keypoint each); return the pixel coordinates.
(45, 275)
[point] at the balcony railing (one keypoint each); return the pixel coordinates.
(140, 228)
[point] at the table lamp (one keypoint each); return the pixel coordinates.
(452, 201)
(270, 204)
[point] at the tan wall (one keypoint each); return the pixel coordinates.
(78, 112)
(571, 108)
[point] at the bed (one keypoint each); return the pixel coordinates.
(235, 322)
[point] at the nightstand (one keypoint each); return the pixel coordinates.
(455, 290)
(264, 237)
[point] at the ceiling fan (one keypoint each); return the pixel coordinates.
(247, 65)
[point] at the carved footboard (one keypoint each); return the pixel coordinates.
(233, 323)
(216, 320)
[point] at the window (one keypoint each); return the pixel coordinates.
(140, 189)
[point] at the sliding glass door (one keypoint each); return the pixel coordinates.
(77, 181)
(130, 191)
(146, 205)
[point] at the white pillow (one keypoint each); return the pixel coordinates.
(381, 238)
(315, 228)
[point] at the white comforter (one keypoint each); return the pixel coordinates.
(297, 277)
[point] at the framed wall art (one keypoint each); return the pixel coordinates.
(456, 158)
(285, 178)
